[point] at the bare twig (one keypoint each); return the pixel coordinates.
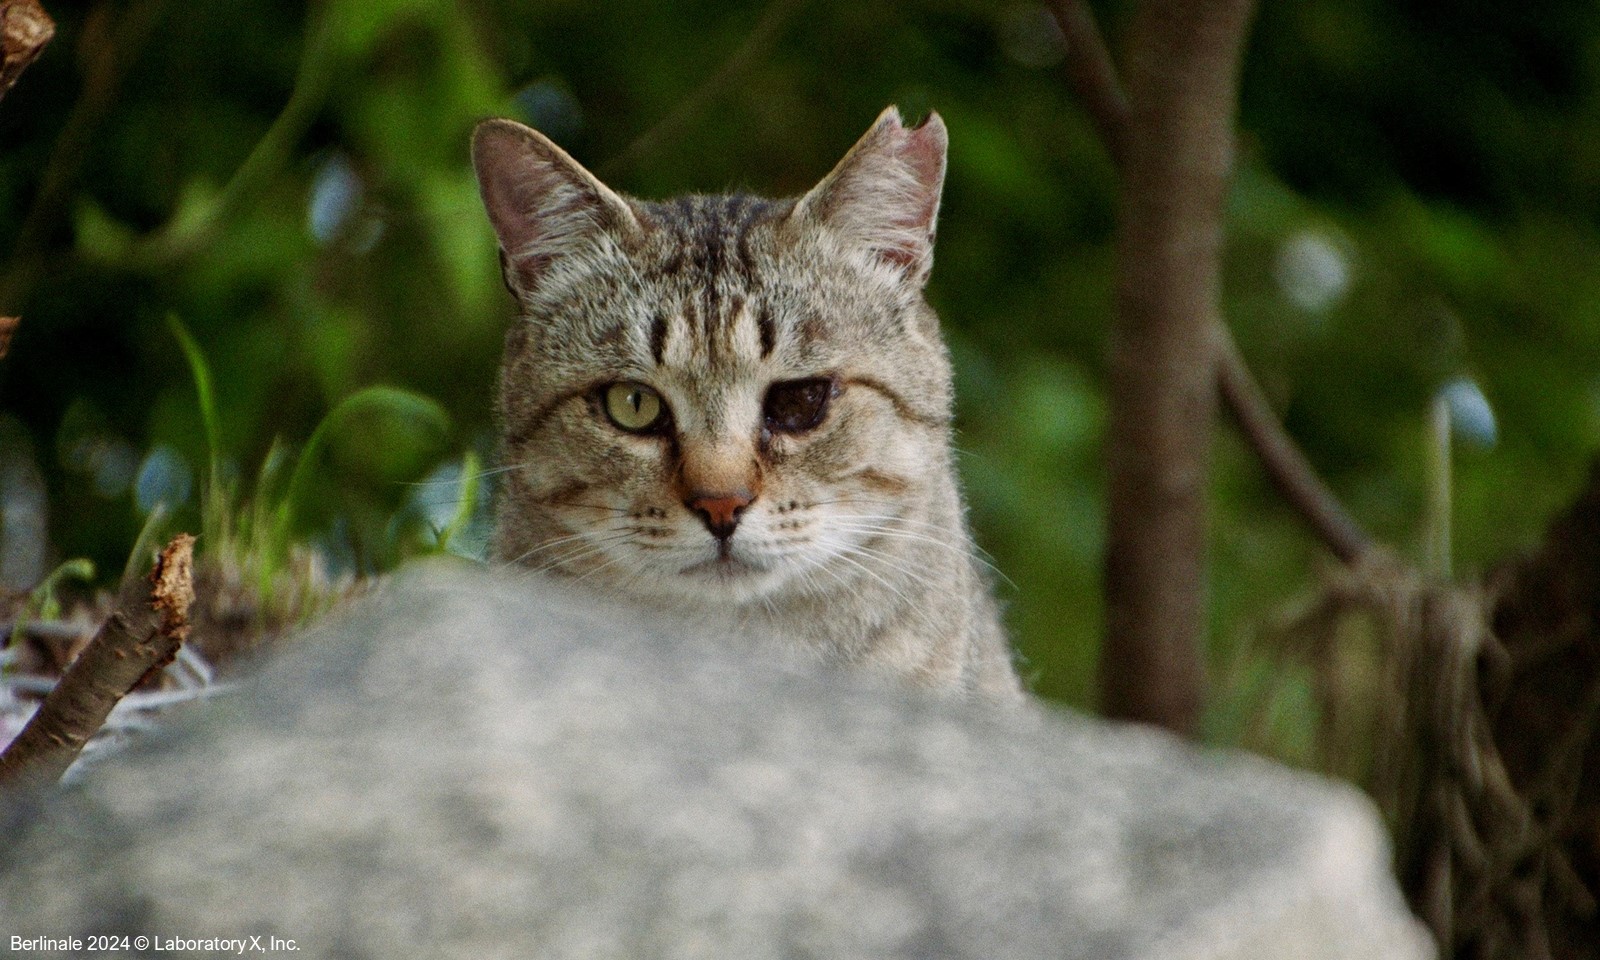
(178, 239)
(24, 30)
(143, 633)
(1094, 81)
(755, 46)
(1286, 465)
(1093, 76)
(108, 46)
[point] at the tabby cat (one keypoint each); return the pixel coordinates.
(739, 409)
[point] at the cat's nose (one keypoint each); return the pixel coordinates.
(720, 511)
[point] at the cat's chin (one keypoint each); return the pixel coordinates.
(739, 578)
(703, 585)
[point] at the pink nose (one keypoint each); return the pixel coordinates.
(720, 511)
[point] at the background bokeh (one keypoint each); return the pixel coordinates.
(1415, 211)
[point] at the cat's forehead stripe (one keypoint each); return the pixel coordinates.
(678, 338)
(709, 239)
(726, 331)
(658, 337)
(731, 325)
(767, 328)
(706, 249)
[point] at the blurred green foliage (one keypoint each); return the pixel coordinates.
(1418, 201)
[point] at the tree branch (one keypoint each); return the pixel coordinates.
(1094, 81)
(24, 30)
(1291, 473)
(107, 47)
(181, 238)
(142, 635)
(1093, 76)
(754, 47)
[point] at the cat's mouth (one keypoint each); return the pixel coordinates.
(725, 566)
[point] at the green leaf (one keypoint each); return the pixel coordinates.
(399, 407)
(42, 603)
(201, 371)
(100, 237)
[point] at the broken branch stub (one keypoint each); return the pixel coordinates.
(25, 29)
(142, 635)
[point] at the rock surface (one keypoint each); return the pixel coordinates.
(481, 767)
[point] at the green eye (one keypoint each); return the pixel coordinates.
(634, 407)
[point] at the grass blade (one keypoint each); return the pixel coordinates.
(372, 401)
(467, 504)
(145, 545)
(214, 508)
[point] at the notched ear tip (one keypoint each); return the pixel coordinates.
(884, 195)
(922, 145)
(890, 117)
(925, 148)
(932, 127)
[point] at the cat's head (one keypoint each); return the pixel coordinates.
(719, 398)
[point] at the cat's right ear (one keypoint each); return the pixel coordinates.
(543, 204)
(883, 197)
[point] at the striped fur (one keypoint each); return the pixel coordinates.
(853, 545)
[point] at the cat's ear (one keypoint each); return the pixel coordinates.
(543, 204)
(884, 195)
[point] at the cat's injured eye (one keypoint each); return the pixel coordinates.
(634, 407)
(796, 406)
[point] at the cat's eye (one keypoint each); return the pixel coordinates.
(795, 406)
(634, 407)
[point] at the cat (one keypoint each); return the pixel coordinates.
(739, 409)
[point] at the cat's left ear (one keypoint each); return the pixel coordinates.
(884, 195)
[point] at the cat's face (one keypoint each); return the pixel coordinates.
(718, 398)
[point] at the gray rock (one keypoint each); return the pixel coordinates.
(480, 767)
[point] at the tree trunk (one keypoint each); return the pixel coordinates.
(1183, 77)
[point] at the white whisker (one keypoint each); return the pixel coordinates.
(893, 563)
(847, 558)
(969, 553)
(576, 554)
(919, 612)
(820, 563)
(571, 546)
(594, 570)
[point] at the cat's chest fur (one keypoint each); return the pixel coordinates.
(737, 409)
